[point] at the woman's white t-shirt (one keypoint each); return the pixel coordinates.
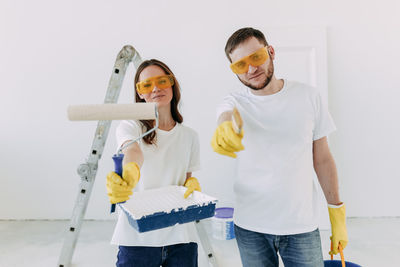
(175, 153)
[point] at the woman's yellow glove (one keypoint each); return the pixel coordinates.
(225, 141)
(191, 184)
(120, 188)
(337, 216)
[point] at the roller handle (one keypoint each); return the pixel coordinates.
(341, 254)
(237, 121)
(118, 158)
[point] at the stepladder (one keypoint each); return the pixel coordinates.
(88, 170)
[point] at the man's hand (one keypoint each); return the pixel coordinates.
(120, 188)
(192, 184)
(337, 216)
(226, 141)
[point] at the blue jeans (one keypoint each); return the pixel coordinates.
(184, 255)
(261, 250)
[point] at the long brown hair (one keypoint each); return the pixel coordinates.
(176, 96)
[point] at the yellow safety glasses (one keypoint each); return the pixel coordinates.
(162, 82)
(256, 59)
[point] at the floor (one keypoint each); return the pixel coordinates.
(373, 243)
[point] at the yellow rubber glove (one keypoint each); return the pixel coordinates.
(120, 188)
(337, 217)
(225, 141)
(191, 184)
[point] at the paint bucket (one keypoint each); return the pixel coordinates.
(222, 224)
(336, 263)
(341, 263)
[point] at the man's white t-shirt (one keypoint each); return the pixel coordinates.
(274, 188)
(175, 153)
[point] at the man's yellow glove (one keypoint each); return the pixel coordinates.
(120, 188)
(191, 184)
(225, 141)
(337, 216)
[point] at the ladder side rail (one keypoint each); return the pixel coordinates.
(88, 170)
(205, 242)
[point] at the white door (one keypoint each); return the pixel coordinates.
(301, 56)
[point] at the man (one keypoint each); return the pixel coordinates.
(285, 128)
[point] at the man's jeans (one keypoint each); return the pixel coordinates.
(261, 250)
(184, 255)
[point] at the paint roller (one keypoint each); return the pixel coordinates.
(105, 112)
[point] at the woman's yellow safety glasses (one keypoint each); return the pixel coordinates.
(256, 59)
(162, 82)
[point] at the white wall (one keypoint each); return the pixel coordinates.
(56, 53)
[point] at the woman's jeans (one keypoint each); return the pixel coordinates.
(261, 250)
(183, 255)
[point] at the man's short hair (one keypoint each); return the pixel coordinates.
(242, 35)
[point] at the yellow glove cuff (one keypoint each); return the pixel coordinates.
(131, 173)
(228, 129)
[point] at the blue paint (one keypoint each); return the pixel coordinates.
(163, 219)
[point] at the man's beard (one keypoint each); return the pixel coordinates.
(266, 81)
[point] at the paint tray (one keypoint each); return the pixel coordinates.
(163, 207)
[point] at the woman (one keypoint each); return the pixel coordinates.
(167, 156)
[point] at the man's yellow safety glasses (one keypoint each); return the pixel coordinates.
(256, 59)
(162, 82)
